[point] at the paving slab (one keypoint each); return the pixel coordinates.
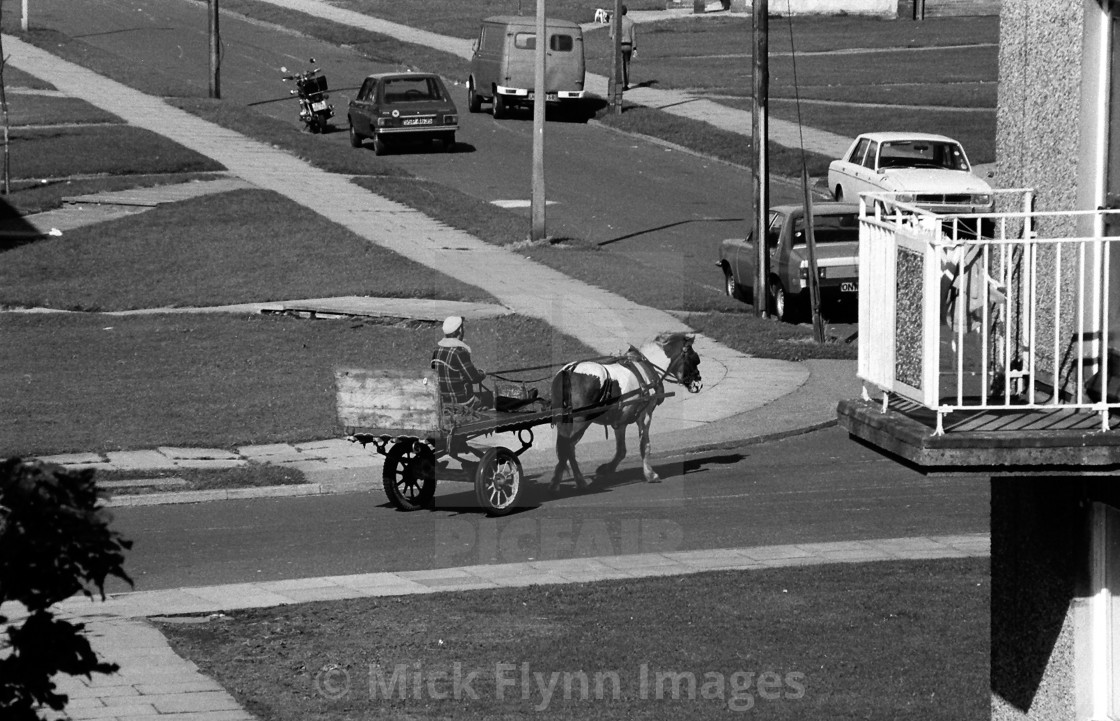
(198, 454)
(139, 460)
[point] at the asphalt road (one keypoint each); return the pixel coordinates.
(656, 204)
(816, 487)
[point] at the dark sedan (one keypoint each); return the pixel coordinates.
(395, 108)
(836, 231)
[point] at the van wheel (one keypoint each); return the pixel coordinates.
(501, 109)
(474, 102)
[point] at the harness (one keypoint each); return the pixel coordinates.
(632, 361)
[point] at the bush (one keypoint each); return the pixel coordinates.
(55, 542)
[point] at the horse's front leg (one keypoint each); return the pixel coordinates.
(619, 453)
(644, 447)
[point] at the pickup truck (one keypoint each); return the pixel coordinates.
(836, 231)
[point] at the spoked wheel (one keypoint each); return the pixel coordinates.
(498, 481)
(409, 476)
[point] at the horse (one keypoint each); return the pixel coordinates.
(618, 394)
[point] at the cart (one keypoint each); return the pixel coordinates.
(404, 420)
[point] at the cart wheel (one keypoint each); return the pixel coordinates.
(498, 481)
(409, 476)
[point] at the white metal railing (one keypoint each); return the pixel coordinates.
(1015, 316)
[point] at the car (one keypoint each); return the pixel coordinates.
(836, 233)
(394, 108)
(923, 169)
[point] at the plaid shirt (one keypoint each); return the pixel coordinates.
(456, 372)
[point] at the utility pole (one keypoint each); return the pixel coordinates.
(614, 84)
(539, 103)
(23, 18)
(811, 246)
(215, 51)
(759, 138)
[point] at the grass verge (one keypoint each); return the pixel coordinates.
(79, 382)
(253, 475)
(898, 640)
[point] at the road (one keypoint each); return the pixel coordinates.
(635, 197)
(811, 488)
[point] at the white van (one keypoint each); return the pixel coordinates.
(503, 67)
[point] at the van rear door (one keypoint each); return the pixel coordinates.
(564, 65)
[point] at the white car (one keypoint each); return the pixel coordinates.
(929, 171)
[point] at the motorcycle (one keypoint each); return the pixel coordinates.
(311, 89)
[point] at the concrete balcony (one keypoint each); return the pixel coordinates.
(984, 337)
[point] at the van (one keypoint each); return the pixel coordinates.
(503, 65)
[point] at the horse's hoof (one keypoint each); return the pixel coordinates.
(655, 479)
(581, 484)
(604, 470)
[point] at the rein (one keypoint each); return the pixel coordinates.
(498, 374)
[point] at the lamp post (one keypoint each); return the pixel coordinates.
(614, 83)
(539, 103)
(759, 137)
(215, 51)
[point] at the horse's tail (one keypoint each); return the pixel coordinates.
(562, 396)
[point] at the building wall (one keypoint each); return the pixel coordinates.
(1039, 138)
(1039, 99)
(1038, 571)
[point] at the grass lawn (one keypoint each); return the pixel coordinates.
(79, 382)
(235, 247)
(898, 640)
(60, 152)
(32, 109)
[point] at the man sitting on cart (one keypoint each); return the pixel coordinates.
(460, 381)
(457, 374)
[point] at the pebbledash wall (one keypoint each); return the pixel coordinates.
(1052, 537)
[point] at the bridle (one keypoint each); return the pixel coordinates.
(671, 375)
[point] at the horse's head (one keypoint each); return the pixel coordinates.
(684, 363)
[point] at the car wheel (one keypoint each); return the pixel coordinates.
(501, 109)
(780, 303)
(379, 146)
(449, 142)
(730, 286)
(474, 101)
(838, 194)
(355, 139)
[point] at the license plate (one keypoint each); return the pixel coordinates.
(849, 287)
(548, 96)
(321, 105)
(416, 121)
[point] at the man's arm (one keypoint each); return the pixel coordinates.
(474, 375)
